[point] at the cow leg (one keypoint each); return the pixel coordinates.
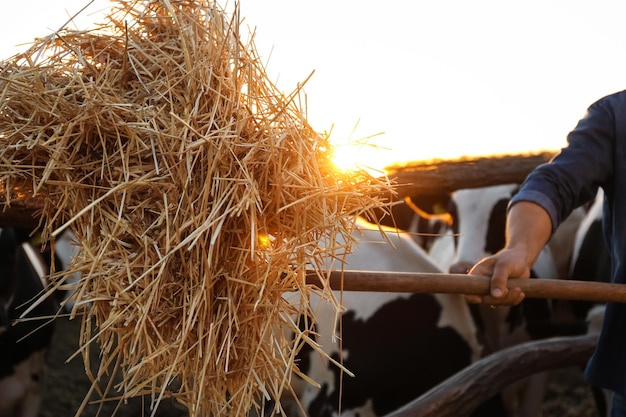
(523, 398)
(531, 398)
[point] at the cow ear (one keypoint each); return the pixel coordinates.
(495, 238)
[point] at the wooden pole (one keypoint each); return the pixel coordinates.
(430, 283)
(462, 393)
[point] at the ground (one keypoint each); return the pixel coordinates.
(67, 384)
(569, 396)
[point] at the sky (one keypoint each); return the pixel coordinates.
(419, 79)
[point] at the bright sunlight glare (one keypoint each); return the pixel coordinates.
(416, 80)
(358, 155)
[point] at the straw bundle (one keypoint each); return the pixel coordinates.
(198, 193)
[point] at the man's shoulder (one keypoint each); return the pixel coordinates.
(617, 98)
(612, 106)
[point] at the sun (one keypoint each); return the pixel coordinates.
(360, 155)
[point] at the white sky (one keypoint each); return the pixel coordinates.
(438, 78)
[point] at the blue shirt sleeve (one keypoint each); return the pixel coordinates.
(572, 177)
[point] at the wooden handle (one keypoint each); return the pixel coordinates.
(430, 283)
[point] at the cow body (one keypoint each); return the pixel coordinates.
(591, 261)
(478, 230)
(383, 330)
(424, 337)
(23, 344)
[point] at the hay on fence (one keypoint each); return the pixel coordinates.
(197, 190)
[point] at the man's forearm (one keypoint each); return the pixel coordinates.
(528, 228)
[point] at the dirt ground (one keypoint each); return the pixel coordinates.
(67, 385)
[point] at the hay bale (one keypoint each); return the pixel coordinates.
(197, 190)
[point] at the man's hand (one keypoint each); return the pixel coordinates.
(500, 267)
(528, 229)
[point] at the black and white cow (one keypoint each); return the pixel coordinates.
(397, 345)
(591, 262)
(374, 324)
(24, 341)
(478, 230)
(591, 259)
(479, 219)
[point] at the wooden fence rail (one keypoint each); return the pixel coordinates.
(421, 178)
(444, 176)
